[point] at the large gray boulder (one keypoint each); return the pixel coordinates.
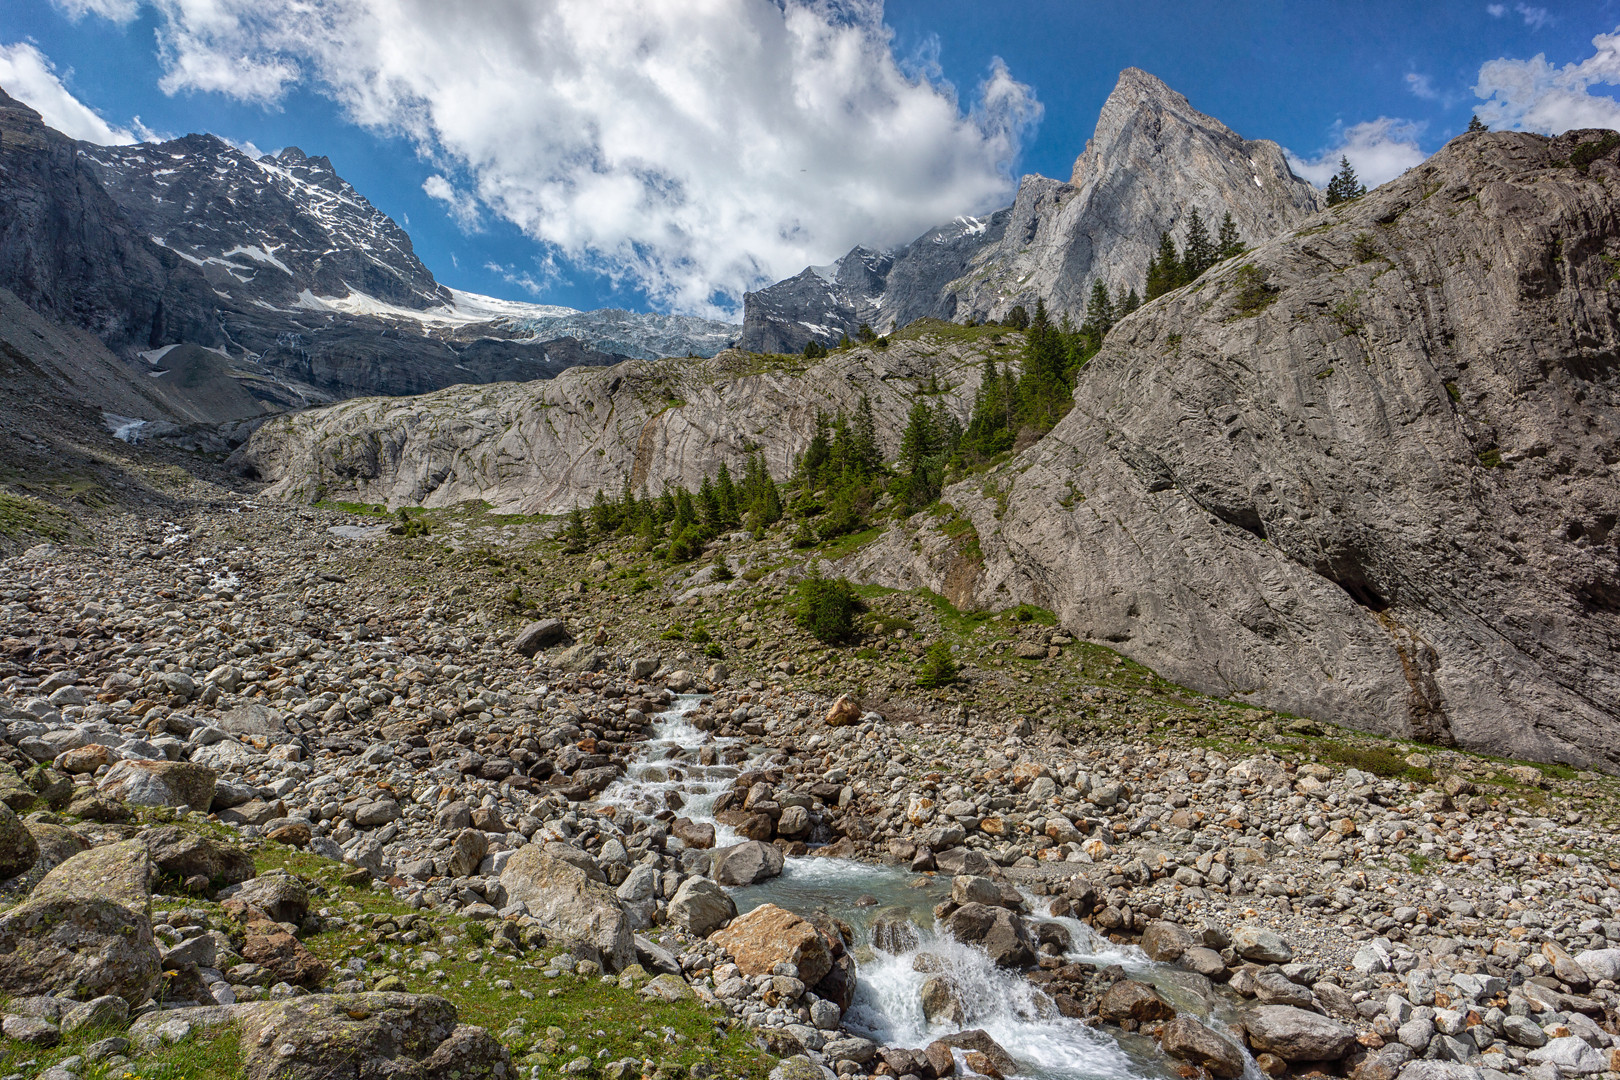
(84, 931)
(573, 902)
(18, 848)
(1186, 1039)
(160, 783)
(998, 931)
(1296, 1035)
(538, 635)
(325, 1036)
(701, 907)
(748, 863)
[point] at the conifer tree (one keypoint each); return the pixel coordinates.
(1227, 242)
(1132, 302)
(1344, 186)
(1200, 250)
(1164, 269)
(1476, 124)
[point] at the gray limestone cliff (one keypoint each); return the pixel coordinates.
(1369, 472)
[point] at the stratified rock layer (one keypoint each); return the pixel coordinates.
(1366, 473)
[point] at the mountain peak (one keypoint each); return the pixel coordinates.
(1142, 102)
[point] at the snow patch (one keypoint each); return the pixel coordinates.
(152, 356)
(260, 254)
(124, 428)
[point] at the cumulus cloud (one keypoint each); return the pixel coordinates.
(1534, 95)
(119, 11)
(1380, 150)
(1421, 86)
(29, 76)
(694, 150)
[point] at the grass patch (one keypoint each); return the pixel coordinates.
(922, 329)
(564, 1016)
(842, 546)
(21, 515)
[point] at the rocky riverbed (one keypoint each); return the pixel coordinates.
(323, 791)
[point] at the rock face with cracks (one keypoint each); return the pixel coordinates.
(1365, 472)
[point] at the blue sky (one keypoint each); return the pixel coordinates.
(645, 154)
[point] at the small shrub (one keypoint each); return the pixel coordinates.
(714, 652)
(1254, 294)
(938, 667)
(722, 569)
(1586, 153)
(674, 633)
(827, 608)
(701, 636)
(1364, 247)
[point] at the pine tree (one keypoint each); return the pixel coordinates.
(1476, 124)
(814, 350)
(1017, 318)
(1227, 243)
(1099, 316)
(1164, 270)
(1132, 302)
(864, 440)
(1344, 186)
(865, 333)
(725, 494)
(1200, 251)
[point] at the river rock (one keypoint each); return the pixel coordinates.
(1165, 941)
(894, 931)
(694, 834)
(701, 907)
(363, 1035)
(1131, 1000)
(572, 901)
(940, 1057)
(769, 935)
(941, 1002)
(1261, 945)
(1296, 1035)
(160, 783)
(1188, 1040)
(748, 863)
(1000, 932)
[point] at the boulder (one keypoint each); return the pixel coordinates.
(941, 1002)
(121, 872)
(939, 1052)
(267, 944)
(894, 931)
(467, 852)
(1130, 1000)
(1296, 1035)
(572, 901)
(1600, 964)
(747, 864)
(329, 1036)
(539, 635)
(998, 931)
(580, 658)
(160, 783)
(1166, 941)
(20, 793)
(84, 759)
(78, 947)
(19, 851)
(972, 889)
(280, 896)
(1188, 1040)
(57, 844)
(701, 907)
(768, 936)
(694, 834)
(1571, 1054)
(844, 712)
(93, 806)
(1261, 945)
(184, 855)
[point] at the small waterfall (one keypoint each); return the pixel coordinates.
(670, 774)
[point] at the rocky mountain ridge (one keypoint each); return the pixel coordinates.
(548, 446)
(277, 263)
(1152, 161)
(1366, 473)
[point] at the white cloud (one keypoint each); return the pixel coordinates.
(1496, 11)
(1533, 95)
(1420, 86)
(694, 149)
(461, 206)
(119, 11)
(30, 77)
(1380, 150)
(1535, 17)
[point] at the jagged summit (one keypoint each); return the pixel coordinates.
(1152, 160)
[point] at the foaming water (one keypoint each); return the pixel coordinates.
(669, 774)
